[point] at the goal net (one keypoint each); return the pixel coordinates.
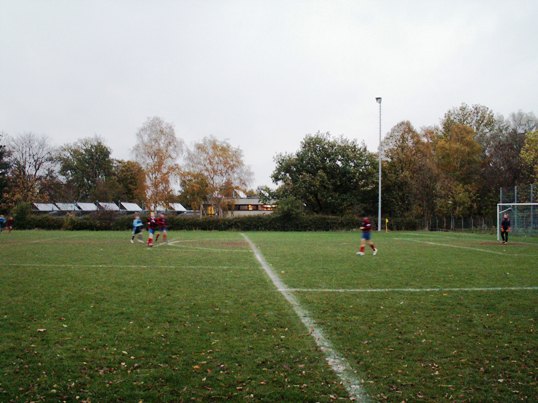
(523, 218)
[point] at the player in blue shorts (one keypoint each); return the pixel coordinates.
(138, 225)
(366, 237)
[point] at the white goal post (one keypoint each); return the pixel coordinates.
(523, 218)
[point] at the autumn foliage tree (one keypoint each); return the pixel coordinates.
(217, 167)
(457, 168)
(157, 150)
(194, 189)
(130, 178)
(409, 173)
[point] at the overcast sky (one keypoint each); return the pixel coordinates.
(260, 74)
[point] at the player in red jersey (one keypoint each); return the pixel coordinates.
(366, 227)
(161, 226)
(152, 226)
(9, 224)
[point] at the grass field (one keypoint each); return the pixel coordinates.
(88, 316)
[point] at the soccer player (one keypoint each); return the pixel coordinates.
(161, 225)
(9, 224)
(138, 225)
(152, 226)
(366, 227)
(505, 228)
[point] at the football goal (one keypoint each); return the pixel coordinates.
(523, 218)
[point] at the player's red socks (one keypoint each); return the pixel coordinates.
(362, 249)
(372, 246)
(157, 237)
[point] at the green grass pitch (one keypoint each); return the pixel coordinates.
(88, 316)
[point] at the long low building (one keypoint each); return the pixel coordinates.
(88, 207)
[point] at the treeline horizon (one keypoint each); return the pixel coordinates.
(455, 168)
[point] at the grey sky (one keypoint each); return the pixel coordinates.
(260, 74)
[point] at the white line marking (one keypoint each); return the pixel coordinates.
(210, 249)
(337, 362)
(176, 242)
(366, 290)
(53, 238)
(452, 246)
(118, 266)
(458, 237)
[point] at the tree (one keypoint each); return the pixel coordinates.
(31, 163)
(194, 190)
(504, 166)
(328, 175)
(529, 155)
(478, 117)
(87, 168)
(157, 150)
(409, 174)
(131, 181)
(4, 167)
(222, 168)
(458, 158)
(458, 154)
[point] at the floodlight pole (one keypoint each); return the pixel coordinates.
(378, 100)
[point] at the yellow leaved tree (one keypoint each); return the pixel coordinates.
(157, 150)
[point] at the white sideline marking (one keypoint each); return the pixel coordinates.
(51, 238)
(337, 362)
(452, 246)
(209, 249)
(365, 290)
(175, 243)
(112, 266)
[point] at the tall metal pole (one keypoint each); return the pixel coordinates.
(378, 100)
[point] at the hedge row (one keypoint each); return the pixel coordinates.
(112, 221)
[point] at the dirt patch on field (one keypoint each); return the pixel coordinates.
(500, 243)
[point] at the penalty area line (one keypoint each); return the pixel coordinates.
(335, 360)
(387, 290)
(452, 246)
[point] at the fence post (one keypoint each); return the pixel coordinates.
(532, 207)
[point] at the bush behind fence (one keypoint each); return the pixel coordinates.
(105, 220)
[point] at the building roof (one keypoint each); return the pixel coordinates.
(87, 206)
(178, 207)
(45, 206)
(67, 206)
(130, 206)
(109, 206)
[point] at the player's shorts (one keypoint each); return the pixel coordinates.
(151, 230)
(366, 236)
(137, 230)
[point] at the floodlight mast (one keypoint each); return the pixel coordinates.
(378, 100)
